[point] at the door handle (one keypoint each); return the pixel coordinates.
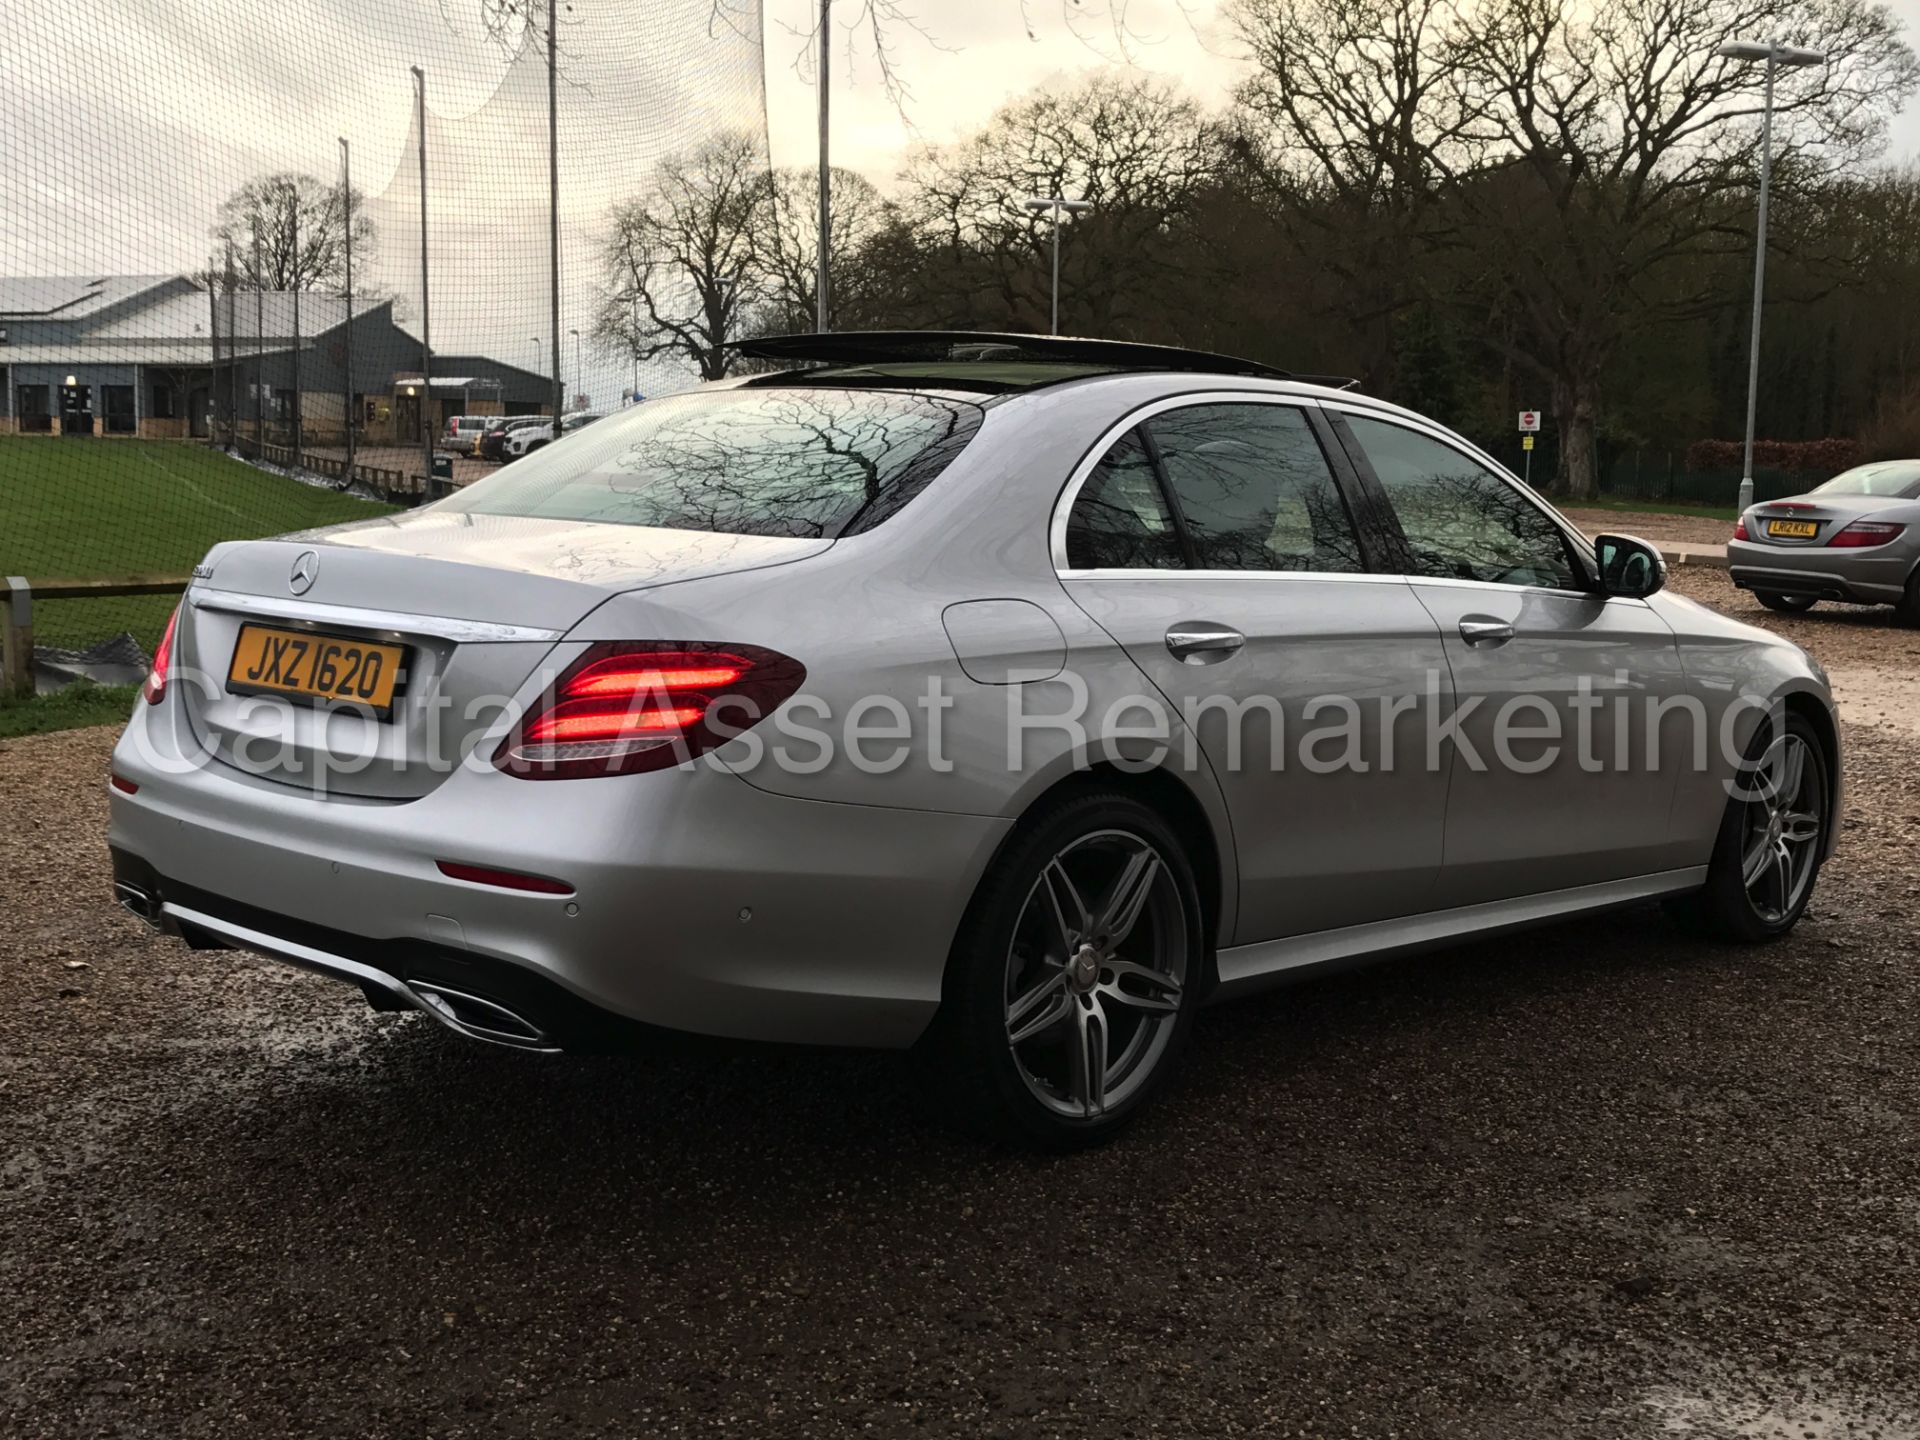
(1486, 632)
(1200, 644)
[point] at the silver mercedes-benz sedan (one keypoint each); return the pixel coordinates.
(1855, 538)
(1001, 697)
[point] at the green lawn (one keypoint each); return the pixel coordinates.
(88, 509)
(73, 708)
(1658, 507)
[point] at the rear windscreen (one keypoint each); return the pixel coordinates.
(797, 462)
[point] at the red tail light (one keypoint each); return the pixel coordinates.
(631, 706)
(1863, 533)
(1740, 529)
(156, 684)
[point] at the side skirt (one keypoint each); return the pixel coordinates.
(1246, 968)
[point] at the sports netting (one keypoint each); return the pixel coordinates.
(182, 360)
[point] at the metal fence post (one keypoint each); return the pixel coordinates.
(16, 639)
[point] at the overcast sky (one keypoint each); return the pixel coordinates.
(125, 122)
(980, 55)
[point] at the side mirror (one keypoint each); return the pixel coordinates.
(1628, 566)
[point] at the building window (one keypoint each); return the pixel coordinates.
(162, 406)
(118, 400)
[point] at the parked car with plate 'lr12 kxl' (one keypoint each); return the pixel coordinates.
(1855, 538)
(1006, 698)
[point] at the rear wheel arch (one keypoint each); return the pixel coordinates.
(1170, 797)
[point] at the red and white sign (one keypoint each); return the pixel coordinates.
(1529, 422)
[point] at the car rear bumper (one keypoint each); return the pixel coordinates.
(698, 903)
(1867, 577)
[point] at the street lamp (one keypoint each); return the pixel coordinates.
(1774, 54)
(578, 378)
(632, 297)
(1058, 204)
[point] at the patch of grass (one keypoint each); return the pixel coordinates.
(1657, 507)
(73, 708)
(91, 509)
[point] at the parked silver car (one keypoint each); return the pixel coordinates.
(1007, 707)
(1855, 538)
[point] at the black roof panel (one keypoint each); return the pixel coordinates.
(888, 348)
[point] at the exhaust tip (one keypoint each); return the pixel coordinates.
(478, 1018)
(138, 901)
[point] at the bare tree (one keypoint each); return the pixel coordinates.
(1134, 147)
(301, 226)
(1582, 151)
(682, 261)
(789, 248)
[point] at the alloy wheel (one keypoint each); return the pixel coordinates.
(1786, 801)
(1096, 973)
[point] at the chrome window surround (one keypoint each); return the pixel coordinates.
(1063, 506)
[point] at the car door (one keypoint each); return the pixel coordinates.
(1563, 765)
(1215, 542)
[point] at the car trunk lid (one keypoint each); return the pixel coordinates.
(476, 602)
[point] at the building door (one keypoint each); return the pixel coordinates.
(199, 403)
(117, 401)
(406, 418)
(76, 410)
(35, 417)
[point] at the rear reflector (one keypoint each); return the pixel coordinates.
(1864, 533)
(504, 879)
(631, 706)
(123, 785)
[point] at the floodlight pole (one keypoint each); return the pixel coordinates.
(1773, 54)
(346, 394)
(426, 316)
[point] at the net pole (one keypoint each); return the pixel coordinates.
(346, 392)
(826, 202)
(298, 281)
(553, 206)
(426, 318)
(259, 347)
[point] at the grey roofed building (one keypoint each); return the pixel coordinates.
(160, 357)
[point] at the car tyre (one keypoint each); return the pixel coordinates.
(1073, 978)
(1772, 839)
(1789, 604)
(1909, 607)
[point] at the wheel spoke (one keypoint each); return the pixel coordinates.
(1800, 827)
(1783, 873)
(1165, 1000)
(1041, 1008)
(1793, 769)
(1754, 864)
(1120, 910)
(1089, 1057)
(1070, 918)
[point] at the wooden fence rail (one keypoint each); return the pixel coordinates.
(17, 595)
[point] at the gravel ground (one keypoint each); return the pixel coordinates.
(1594, 1181)
(1653, 525)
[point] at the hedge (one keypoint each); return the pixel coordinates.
(1804, 457)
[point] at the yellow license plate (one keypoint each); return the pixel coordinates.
(1793, 529)
(322, 667)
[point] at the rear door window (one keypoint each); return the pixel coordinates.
(1255, 490)
(809, 463)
